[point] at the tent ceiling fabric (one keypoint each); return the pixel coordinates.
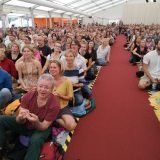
(66, 7)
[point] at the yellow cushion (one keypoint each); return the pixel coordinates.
(12, 108)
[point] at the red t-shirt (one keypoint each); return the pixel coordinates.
(47, 112)
(9, 66)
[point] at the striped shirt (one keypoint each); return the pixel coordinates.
(75, 75)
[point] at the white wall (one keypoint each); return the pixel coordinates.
(146, 13)
(130, 12)
(104, 16)
(87, 20)
(111, 13)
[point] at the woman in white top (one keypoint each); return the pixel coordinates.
(56, 55)
(103, 52)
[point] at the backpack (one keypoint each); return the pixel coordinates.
(50, 151)
(78, 111)
(12, 108)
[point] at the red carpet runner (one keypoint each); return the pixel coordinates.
(123, 126)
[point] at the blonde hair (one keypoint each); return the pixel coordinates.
(59, 42)
(16, 45)
(59, 64)
(29, 47)
(105, 39)
(72, 51)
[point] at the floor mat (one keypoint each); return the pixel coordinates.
(154, 99)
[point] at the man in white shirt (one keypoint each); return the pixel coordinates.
(151, 67)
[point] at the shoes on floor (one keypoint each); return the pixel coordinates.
(87, 103)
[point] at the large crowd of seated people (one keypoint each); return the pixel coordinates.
(143, 42)
(47, 68)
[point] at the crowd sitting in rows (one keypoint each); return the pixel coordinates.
(37, 62)
(143, 42)
(26, 53)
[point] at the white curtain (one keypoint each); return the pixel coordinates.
(147, 13)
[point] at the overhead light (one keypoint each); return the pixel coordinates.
(19, 3)
(44, 8)
(42, 16)
(15, 14)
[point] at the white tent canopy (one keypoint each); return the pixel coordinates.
(76, 8)
(101, 11)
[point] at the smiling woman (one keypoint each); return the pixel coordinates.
(64, 90)
(29, 69)
(56, 55)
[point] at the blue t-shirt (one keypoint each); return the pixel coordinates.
(5, 80)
